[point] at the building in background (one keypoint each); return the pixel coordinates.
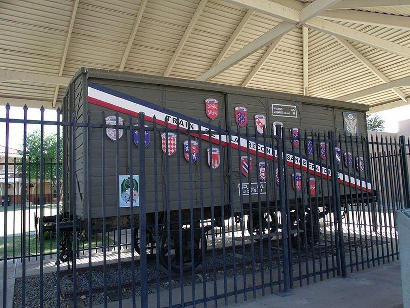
(15, 185)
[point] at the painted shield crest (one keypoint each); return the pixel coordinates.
(323, 150)
(214, 157)
(276, 127)
(146, 138)
(112, 131)
(171, 142)
(191, 152)
(212, 108)
(262, 171)
(338, 153)
(294, 132)
(260, 123)
(350, 123)
(312, 186)
(360, 163)
(297, 181)
(348, 158)
(309, 146)
(246, 165)
(241, 116)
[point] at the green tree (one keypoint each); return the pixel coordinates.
(374, 123)
(49, 155)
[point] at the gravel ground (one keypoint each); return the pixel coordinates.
(212, 268)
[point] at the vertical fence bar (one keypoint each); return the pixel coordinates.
(142, 218)
(336, 200)
(74, 205)
(87, 202)
(23, 206)
(283, 211)
(132, 218)
(117, 172)
(232, 203)
(156, 227)
(58, 175)
(104, 239)
(179, 226)
(250, 205)
(405, 173)
(6, 203)
(41, 207)
(245, 296)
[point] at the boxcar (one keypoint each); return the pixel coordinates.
(181, 183)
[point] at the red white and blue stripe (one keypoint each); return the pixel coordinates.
(114, 100)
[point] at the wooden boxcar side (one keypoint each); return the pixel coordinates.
(171, 181)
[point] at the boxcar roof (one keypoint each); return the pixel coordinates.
(209, 86)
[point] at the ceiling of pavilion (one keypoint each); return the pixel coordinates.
(352, 50)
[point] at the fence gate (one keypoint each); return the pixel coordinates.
(134, 211)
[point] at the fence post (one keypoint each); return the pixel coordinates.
(284, 212)
(142, 214)
(405, 170)
(337, 204)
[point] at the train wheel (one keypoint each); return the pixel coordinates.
(150, 241)
(171, 248)
(268, 223)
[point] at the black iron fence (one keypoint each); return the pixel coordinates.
(143, 214)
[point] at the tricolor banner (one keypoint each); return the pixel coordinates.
(114, 100)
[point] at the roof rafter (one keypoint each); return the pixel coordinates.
(234, 36)
(354, 35)
(131, 39)
(274, 9)
(370, 66)
(281, 29)
(369, 18)
(9, 75)
(20, 102)
(66, 46)
(250, 48)
(387, 105)
(261, 61)
(305, 43)
(402, 82)
(184, 38)
(353, 4)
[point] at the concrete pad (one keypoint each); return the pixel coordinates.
(376, 287)
(11, 270)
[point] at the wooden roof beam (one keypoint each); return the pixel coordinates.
(66, 46)
(354, 35)
(354, 4)
(20, 102)
(369, 18)
(387, 105)
(281, 29)
(233, 37)
(184, 38)
(261, 61)
(274, 9)
(402, 82)
(371, 67)
(9, 75)
(131, 39)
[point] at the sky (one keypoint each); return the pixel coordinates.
(391, 118)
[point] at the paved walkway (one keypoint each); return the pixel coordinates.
(373, 288)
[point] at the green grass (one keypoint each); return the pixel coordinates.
(14, 245)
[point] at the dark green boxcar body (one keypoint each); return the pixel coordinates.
(170, 181)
